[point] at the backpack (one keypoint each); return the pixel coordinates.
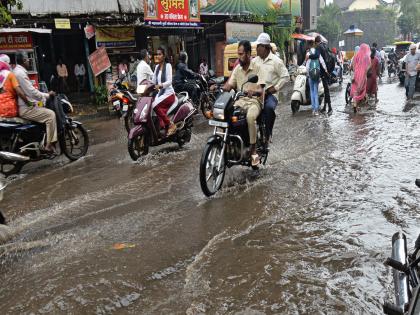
(314, 69)
(328, 56)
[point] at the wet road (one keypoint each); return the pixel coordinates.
(307, 236)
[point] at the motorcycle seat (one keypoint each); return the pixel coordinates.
(179, 100)
(15, 120)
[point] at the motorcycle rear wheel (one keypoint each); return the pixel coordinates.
(75, 142)
(210, 178)
(138, 146)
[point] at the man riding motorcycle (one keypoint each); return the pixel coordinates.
(183, 76)
(250, 103)
(35, 113)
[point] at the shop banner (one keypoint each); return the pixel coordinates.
(172, 13)
(115, 37)
(99, 61)
(62, 24)
(259, 7)
(236, 32)
(13, 41)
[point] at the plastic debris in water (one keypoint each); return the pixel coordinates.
(122, 246)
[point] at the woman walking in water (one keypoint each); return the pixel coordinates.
(360, 66)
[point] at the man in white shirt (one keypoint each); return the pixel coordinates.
(276, 76)
(383, 60)
(35, 113)
(144, 72)
(80, 73)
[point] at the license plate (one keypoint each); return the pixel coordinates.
(216, 123)
(125, 108)
(116, 103)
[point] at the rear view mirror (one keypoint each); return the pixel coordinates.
(252, 78)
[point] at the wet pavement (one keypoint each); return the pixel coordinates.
(308, 235)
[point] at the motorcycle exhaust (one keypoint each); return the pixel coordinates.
(398, 261)
(13, 157)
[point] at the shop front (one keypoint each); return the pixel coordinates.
(31, 41)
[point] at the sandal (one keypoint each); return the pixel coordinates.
(255, 160)
(171, 130)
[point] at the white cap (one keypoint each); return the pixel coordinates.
(5, 58)
(263, 39)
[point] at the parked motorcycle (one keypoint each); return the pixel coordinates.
(146, 131)
(301, 93)
(229, 144)
(123, 103)
(406, 276)
(22, 141)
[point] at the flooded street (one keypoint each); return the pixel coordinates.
(308, 235)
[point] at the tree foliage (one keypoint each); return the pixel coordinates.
(278, 35)
(5, 7)
(329, 22)
(408, 22)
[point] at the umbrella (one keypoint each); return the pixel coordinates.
(314, 34)
(302, 37)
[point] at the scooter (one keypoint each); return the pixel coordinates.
(146, 131)
(301, 93)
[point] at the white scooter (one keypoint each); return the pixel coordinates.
(301, 93)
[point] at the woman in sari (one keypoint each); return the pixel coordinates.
(360, 66)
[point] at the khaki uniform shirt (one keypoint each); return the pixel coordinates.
(239, 76)
(275, 71)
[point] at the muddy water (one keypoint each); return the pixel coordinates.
(307, 235)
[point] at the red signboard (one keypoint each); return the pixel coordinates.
(172, 12)
(13, 41)
(99, 61)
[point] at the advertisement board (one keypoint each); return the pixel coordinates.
(236, 32)
(172, 13)
(62, 24)
(115, 37)
(99, 61)
(13, 41)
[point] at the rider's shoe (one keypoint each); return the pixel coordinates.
(171, 129)
(255, 160)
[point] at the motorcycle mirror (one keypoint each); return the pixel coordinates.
(252, 78)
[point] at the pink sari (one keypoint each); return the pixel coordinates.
(361, 63)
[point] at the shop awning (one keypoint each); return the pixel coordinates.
(25, 30)
(79, 7)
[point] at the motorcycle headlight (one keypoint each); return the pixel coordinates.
(219, 114)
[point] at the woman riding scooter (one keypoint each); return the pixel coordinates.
(162, 77)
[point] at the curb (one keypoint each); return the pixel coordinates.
(102, 112)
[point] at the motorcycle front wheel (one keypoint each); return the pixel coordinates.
(129, 119)
(211, 176)
(10, 167)
(75, 142)
(138, 146)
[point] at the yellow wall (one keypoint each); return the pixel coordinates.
(363, 5)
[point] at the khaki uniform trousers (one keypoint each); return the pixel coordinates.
(44, 116)
(253, 110)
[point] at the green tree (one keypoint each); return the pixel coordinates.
(328, 23)
(5, 7)
(410, 15)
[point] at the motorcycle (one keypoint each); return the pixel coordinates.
(406, 276)
(22, 141)
(146, 131)
(229, 144)
(301, 93)
(336, 76)
(392, 69)
(347, 94)
(123, 102)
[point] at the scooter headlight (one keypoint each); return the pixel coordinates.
(219, 114)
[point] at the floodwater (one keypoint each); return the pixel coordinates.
(308, 235)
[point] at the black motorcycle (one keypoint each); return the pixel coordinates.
(406, 276)
(229, 144)
(123, 102)
(392, 68)
(22, 141)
